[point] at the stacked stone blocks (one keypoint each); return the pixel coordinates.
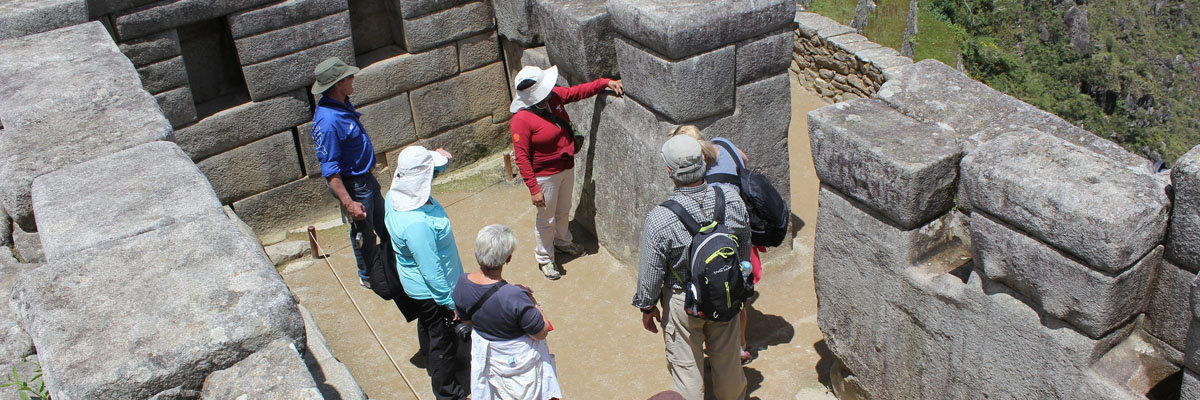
(1064, 237)
(830, 59)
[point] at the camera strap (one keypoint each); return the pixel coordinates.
(483, 299)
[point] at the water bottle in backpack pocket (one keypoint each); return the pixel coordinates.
(716, 288)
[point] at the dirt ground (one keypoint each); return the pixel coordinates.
(601, 349)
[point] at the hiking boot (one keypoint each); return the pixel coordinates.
(550, 270)
(571, 249)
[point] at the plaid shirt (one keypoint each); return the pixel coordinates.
(664, 238)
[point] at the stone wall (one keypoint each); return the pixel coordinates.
(830, 59)
(233, 79)
(720, 65)
(970, 245)
(148, 287)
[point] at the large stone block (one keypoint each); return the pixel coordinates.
(470, 142)
(1183, 240)
(280, 42)
(933, 92)
(1075, 200)
(116, 196)
(900, 167)
(151, 49)
(308, 153)
(202, 297)
(163, 75)
(293, 71)
(459, 100)
(442, 27)
(6, 228)
(932, 328)
(333, 378)
(764, 57)
(1190, 388)
(679, 29)
(812, 24)
(275, 372)
(759, 127)
(402, 73)
(243, 124)
(417, 8)
(296, 204)
(1092, 301)
(582, 40)
(28, 245)
(281, 15)
(477, 51)
(1167, 312)
(684, 90)
(178, 106)
(389, 123)
(170, 14)
(70, 96)
(254, 168)
(515, 21)
(15, 343)
(26, 17)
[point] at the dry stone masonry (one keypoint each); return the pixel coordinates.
(830, 59)
(970, 245)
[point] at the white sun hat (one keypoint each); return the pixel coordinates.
(414, 177)
(542, 83)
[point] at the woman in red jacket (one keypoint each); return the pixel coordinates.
(544, 146)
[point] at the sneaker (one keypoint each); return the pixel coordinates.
(571, 249)
(746, 356)
(365, 283)
(550, 271)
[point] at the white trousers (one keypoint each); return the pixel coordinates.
(552, 219)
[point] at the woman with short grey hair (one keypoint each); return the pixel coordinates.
(509, 356)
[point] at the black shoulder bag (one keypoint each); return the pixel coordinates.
(576, 140)
(462, 328)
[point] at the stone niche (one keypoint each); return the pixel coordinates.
(377, 31)
(213, 72)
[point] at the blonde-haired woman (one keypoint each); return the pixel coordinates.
(723, 170)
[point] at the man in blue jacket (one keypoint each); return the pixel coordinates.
(347, 158)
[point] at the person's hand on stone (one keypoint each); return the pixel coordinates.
(444, 153)
(615, 86)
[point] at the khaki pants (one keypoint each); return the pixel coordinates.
(689, 339)
(552, 220)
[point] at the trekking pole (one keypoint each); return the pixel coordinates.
(313, 238)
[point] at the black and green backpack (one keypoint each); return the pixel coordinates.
(716, 288)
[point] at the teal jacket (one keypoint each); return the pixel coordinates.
(426, 256)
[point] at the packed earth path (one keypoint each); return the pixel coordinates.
(601, 349)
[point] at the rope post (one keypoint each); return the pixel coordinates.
(508, 167)
(312, 243)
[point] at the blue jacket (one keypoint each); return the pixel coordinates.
(341, 142)
(426, 255)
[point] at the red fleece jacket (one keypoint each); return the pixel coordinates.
(541, 147)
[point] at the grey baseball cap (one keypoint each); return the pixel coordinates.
(329, 72)
(683, 156)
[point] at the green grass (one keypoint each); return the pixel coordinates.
(886, 26)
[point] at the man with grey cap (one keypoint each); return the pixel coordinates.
(347, 158)
(664, 241)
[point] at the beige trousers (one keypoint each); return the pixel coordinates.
(689, 339)
(552, 220)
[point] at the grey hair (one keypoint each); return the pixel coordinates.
(494, 245)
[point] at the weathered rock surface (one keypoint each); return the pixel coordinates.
(275, 372)
(26, 17)
(433, 30)
(764, 57)
(477, 51)
(812, 24)
(1094, 302)
(151, 49)
(1190, 389)
(332, 377)
(417, 8)
(281, 15)
(1073, 199)
(274, 212)
(163, 75)
(6, 228)
(265, 46)
(71, 96)
(467, 143)
(678, 29)
(15, 343)
(925, 333)
(1167, 312)
(402, 73)
(243, 124)
(1183, 240)
(900, 167)
(931, 91)
(293, 71)
(582, 40)
(169, 14)
(389, 123)
(178, 106)
(77, 211)
(98, 321)
(28, 246)
(515, 21)
(237, 222)
(282, 252)
(459, 100)
(683, 90)
(254, 168)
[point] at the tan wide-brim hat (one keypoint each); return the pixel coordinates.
(414, 177)
(542, 84)
(329, 72)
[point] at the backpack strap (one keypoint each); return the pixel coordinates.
(737, 159)
(719, 207)
(483, 299)
(724, 178)
(690, 223)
